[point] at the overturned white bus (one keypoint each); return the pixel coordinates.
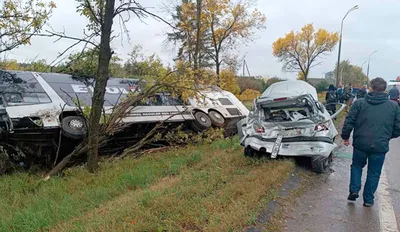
(36, 107)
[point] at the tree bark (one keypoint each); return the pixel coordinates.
(306, 74)
(198, 34)
(100, 86)
(218, 68)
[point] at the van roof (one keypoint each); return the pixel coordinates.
(290, 88)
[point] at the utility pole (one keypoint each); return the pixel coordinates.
(340, 44)
(369, 59)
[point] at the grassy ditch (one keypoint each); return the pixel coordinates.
(205, 188)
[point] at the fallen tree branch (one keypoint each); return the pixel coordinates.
(64, 162)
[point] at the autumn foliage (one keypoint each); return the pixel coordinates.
(20, 20)
(223, 25)
(299, 51)
(249, 94)
(229, 82)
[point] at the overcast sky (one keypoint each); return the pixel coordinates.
(374, 26)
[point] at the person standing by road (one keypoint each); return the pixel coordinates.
(339, 93)
(331, 100)
(394, 94)
(362, 92)
(375, 120)
(348, 95)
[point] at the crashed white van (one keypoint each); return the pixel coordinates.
(288, 120)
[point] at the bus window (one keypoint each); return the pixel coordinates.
(169, 100)
(26, 98)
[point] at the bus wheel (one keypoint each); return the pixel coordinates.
(216, 118)
(74, 127)
(201, 122)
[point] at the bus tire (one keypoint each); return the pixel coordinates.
(216, 118)
(201, 121)
(194, 127)
(74, 127)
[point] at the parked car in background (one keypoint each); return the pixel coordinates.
(288, 120)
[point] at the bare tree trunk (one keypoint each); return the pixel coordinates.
(198, 34)
(100, 86)
(306, 74)
(218, 68)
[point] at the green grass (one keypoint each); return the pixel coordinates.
(209, 187)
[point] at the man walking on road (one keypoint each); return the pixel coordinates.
(375, 120)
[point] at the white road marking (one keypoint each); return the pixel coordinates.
(387, 216)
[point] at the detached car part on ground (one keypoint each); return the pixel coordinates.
(288, 120)
(36, 108)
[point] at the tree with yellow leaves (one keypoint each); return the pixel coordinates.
(229, 23)
(299, 51)
(20, 20)
(9, 65)
(229, 81)
(223, 24)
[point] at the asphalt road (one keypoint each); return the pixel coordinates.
(324, 207)
(392, 164)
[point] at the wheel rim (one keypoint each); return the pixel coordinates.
(203, 119)
(217, 116)
(76, 124)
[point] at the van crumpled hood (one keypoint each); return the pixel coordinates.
(375, 98)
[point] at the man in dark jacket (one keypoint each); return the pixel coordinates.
(394, 93)
(331, 100)
(362, 92)
(348, 95)
(375, 121)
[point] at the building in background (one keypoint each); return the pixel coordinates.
(330, 75)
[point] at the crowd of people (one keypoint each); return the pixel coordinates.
(346, 95)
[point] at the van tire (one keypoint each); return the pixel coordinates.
(201, 121)
(249, 152)
(74, 127)
(216, 118)
(320, 164)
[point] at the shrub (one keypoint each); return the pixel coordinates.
(249, 94)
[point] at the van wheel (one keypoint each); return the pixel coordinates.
(216, 118)
(249, 152)
(74, 127)
(320, 164)
(201, 122)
